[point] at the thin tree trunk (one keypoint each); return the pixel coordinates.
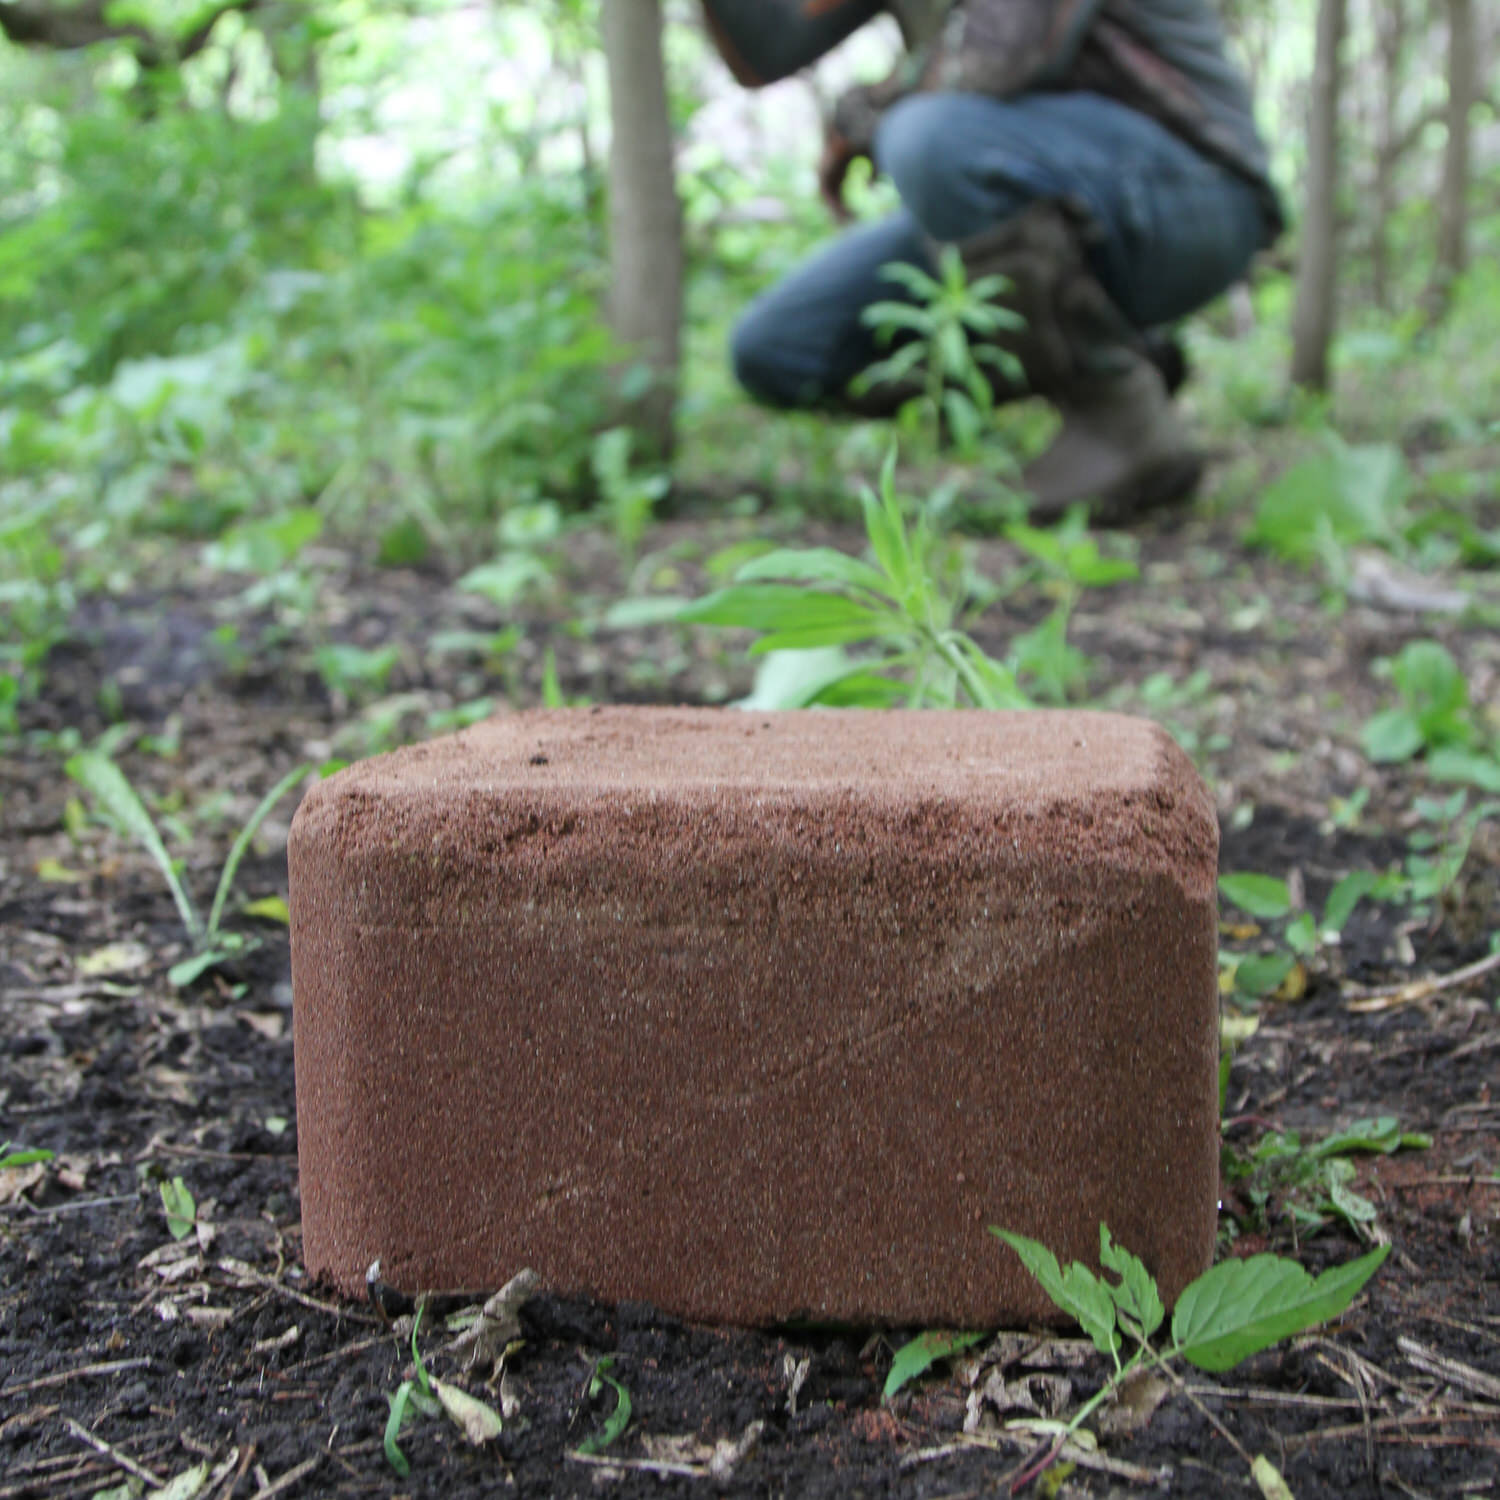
(645, 218)
(1317, 291)
(1390, 28)
(1453, 196)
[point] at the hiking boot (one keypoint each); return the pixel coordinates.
(1122, 447)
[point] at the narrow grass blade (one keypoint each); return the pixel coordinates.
(104, 780)
(242, 843)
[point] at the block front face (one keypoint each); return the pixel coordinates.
(758, 1016)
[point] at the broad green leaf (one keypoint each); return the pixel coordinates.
(1136, 1295)
(177, 1202)
(1345, 896)
(1453, 764)
(1432, 683)
(104, 780)
(1263, 974)
(814, 565)
(269, 909)
(1243, 1306)
(186, 971)
(1302, 934)
(652, 609)
(1262, 896)
(1077, 1291)
(1380, 1134)
(794, 679)
(780, 607)
(619, 1418)
(1390, 736)
(921, 1353)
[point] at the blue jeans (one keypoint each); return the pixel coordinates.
(1168, 229)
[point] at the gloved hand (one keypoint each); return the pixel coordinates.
(838, 155)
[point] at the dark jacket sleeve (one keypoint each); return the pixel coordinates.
(763, 40)
(996, 47)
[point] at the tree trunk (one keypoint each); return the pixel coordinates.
(1390, 27)
(1453, 196)
(1317, 291)
(645, 219)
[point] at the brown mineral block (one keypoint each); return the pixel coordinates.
(759, 1016)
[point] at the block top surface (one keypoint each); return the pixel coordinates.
(894, 754)
(1102, 780)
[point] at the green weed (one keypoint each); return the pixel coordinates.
(114, 795)
(618, 1419)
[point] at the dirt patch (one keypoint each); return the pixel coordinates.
(171, 1354)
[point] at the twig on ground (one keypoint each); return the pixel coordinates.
(244, 1272)
(113, 1454)
(231, 1483)
(61, 1377)
(1454, 1371)
(1410, 991)
(287, 1480)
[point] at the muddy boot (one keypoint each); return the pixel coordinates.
(1122, 447)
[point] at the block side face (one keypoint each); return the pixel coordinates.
(761, 1040)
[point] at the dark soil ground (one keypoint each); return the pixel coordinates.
(121, 1348)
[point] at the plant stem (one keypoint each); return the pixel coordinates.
(210, 934)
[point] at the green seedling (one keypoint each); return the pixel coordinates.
(1069, 561)
(351, 670)
(1268, 899)
(629, 498)
(1440, 851)
(619, 1419)
(1232, 1311)
(430, 1396)
(903, 607)
(524, 566)
(1310, 1184)
(918, 1355)
(416, 1393)
(212, 944)
(1336, 499)
(178, 1205)
(1434, 712)
(943, 328)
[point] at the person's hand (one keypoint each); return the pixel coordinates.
(838, 156)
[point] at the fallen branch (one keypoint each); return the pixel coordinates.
(1386, 996)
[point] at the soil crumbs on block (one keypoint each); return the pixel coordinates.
(214, 1349)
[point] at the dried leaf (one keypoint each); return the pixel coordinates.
(480, 1422)
(186, 1486)
(1268, 1478)
(1134, 1405)
(498, 1323)
(113, 958)
(16, 1181)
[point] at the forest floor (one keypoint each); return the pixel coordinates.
(126, 1352)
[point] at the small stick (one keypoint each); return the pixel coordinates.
(288, 1479)
(63, 1376)
(1430, 1362)
(113, 1454)
(1413, 990)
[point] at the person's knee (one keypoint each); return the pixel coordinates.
(950, 182)
(759, 361)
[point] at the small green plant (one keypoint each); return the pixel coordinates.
(918, 1355)
(1319, 508)
(1439, 851)
(430, 1396)
(524, 566)
(1069, 562)
(212, 945)
(629, 498)
(1269, 899)
(1434, 712)
(1233, 1310)
(904, 607)
(1310, 1184)
(619, 1419)
(350, 670)
(178, 1205)
(943, 328)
